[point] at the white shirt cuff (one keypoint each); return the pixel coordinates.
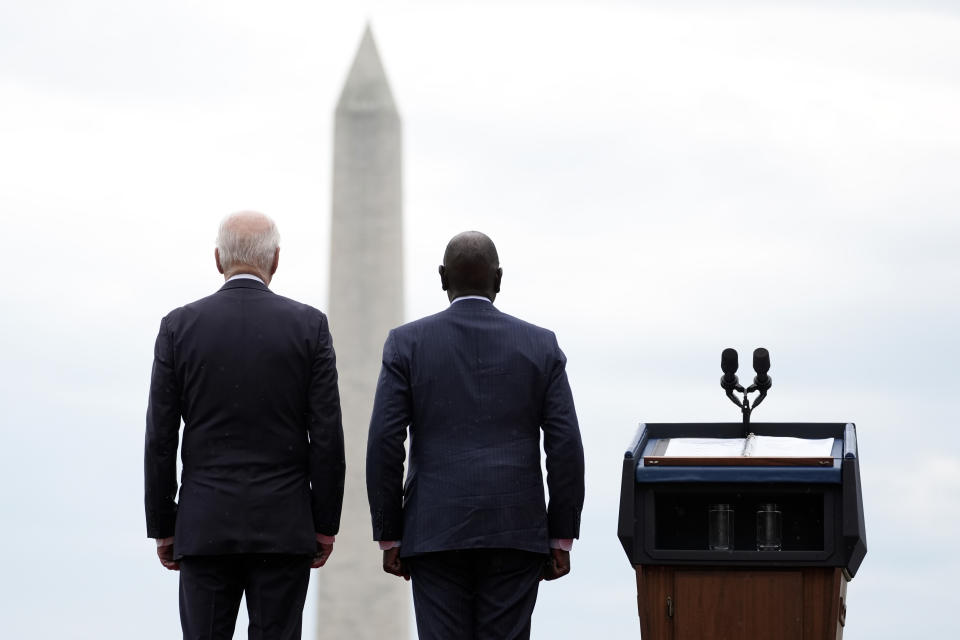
(388, 544)
(564, 544)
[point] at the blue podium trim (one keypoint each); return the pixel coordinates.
(810, 475)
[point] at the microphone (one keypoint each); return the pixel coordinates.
(761, 364)
(728, 364)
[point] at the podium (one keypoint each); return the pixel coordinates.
(687, 590)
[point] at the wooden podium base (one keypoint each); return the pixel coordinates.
(687, 603)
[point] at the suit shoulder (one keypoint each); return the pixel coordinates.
(417, 326)
(527, 326)
(414, 331)
(536, 334)
(299, 307)
(187, 310)
(209, 304)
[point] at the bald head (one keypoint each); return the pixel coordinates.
(248, 242)
(471, 266)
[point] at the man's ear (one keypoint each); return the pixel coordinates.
(276, 261)
(216, 258)
(496, 281)
(444, 283)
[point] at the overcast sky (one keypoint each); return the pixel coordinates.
(662, 181)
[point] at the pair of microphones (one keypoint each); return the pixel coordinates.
(729, 363)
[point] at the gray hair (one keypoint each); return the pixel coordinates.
(247, 238)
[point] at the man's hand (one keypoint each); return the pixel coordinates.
(392, 563)
(165, 553)
(320, 557)
(557, 566)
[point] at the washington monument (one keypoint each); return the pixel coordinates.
(357, 599)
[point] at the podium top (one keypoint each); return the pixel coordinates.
(722, 452)
(752, 451)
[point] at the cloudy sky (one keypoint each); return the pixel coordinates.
(663, 180)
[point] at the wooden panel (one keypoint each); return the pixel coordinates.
(738, 605)
(842, 614)
(654, 586)
(822, 593)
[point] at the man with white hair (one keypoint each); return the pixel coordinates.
(253, 377)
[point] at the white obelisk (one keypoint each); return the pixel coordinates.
(357, 600)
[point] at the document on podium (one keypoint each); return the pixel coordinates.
(705, 447)
(787, 447)
(752, 450)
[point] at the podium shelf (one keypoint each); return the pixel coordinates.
(679, 522)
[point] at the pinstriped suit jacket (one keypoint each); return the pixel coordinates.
(475, 388)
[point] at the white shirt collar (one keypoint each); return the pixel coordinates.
(246, 276)
(484, 298)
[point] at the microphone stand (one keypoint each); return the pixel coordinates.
(761, 383)
(744, 403)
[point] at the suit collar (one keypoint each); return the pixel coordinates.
(471, 305)
(462, 298)
(244, 283)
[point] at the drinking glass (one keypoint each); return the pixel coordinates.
(720, 527)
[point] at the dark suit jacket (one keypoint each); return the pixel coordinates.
(253, 375)
(475, 387)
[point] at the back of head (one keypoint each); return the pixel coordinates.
(471, 265)
(247, 239)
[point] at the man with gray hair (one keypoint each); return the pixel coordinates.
(253, 377)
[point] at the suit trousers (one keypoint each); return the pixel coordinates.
(211, 588)
(475, 594)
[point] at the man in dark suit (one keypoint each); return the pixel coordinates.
(475, 387)
(253, 376)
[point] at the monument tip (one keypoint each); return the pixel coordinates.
(366, 87)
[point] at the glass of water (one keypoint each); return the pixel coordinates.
(720, 527)
(769, 528)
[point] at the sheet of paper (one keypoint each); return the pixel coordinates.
(705, 447)
(785, 447)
